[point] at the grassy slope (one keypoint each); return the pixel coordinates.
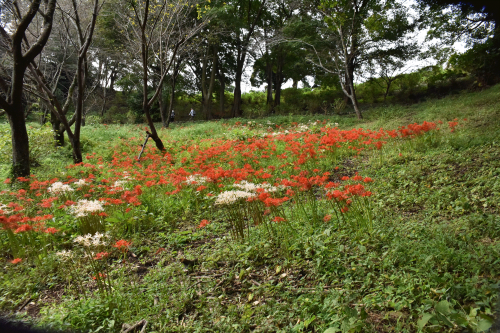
(437, 237)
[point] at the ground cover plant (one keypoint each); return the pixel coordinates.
(317, 224)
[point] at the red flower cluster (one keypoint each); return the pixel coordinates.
(122, 245)
(101, 255)
(203, 223)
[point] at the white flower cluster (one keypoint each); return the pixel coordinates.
(5, 208)
(229, 197)
(248, 186)
(80, 183)
(84, 207)
(119, 184)
(196, 179)
(64, 254)
(89, 240)
(59, 187)
(303, 128)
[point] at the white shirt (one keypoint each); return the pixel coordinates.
(191, 113)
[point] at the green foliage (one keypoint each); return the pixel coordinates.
(41, 143)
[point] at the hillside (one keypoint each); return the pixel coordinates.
(286, 223)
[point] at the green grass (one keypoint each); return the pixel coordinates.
(432, 258)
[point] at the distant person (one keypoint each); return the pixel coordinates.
(192, 114)
(172, 116)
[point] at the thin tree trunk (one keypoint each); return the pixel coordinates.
(237, 96)
(204, 92)
(241, 57)
(207, 91)
(171, 101)
(222, 83)
(57, 129)
(387, 90)
(163, 108)
(279, 79)
(236, 112)
(145, 102)
(44, 115)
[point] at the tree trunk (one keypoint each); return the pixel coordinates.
(172, 98)
(387, 90)
(44, 115)
(347, 98)
(145, 102)
(20, 142)
(354, 100)
(204, 64)
(112, 81)
(207, 91)
(222, 83)
(237, 98)
(163, 109)
(351, 92)
(77, 152)
(75, 141)
(279, 79)
(236, 112)
(240, 61)
(103, 107)
(269, 89)
(57, 129)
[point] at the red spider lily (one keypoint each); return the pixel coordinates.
(101, 255)
(452, 125)
(23, 228)
(47, 203)
(344, 209)
(160, 250)
(122, 245)
(330, 185)
(42, 218)
(278, 219)
(274, 202)
(16, 261)
(367, 180)
(51, 230)
(203, 223)
(357, 189)
(201, 188)
(99, 276)
(327, 218)
(23, 179)
(337, 195)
